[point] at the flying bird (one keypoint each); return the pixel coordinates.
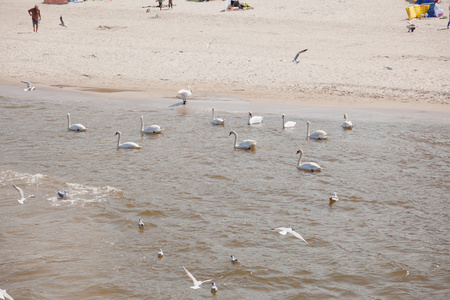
(62, 22)
(62, 195)
(29, 87)
(5, 295)
(197, 283)
(284, 231)
(296, 56)
(208, 45)
(22, 196)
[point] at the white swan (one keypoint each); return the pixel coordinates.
(288, 123)
(254, 119)
(151, 128)
(318, 134)
(129, 145)
(217, 121)
(347, 124)
(245, 144)
(184, 94)
(74, 127)
(307, 166)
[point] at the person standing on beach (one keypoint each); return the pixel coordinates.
(35, 14)
(448, 24)
(160, 4)
(170, 4)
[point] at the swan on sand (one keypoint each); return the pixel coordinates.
(307, 166)
(245, 144)
(74, 127)
(151, 128)
(127, 145)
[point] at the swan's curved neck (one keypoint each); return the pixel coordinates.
(213, 113)
(282, 118)
(300, 159)
(68, 120)
(345, 117)
(249, 117)
(118, 140)
(142, 124)
(307, 130)
(235, 139)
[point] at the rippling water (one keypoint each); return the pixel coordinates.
(202, 201)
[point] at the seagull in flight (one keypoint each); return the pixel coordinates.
(29, 86)
(4, 294)
(197, 283)
(296, 56)
(22, 196)
(284, 231)
(208, 45)
(62, 22)
(62, 195)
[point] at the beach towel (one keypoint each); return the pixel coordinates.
(416, 11)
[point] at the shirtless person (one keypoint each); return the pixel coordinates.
(35, 14)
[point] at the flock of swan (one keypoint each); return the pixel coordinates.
(245, 144)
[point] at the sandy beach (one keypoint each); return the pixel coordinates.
(359, 53)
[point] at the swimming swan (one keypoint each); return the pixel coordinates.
(254, 119)
(318, 134)
(245, 144)
(307, 166)
(217, 121)
(347, 124)
(74, 127)
(151, 128)
(129, 145)
(288, 123)
(184, 94)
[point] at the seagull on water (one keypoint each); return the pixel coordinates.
(62, 195)
(284, 231)
(22, 197)
(234, 259)
(62, 22)
(141, 224)
(334, 198)
(296, 56)
(5, 295)
(29, 86)
(197, 283)
(160, 253)
(213, 288)
(208, 45)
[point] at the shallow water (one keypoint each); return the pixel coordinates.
(201, 201)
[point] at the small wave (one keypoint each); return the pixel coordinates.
(79, 193)
(9, 176)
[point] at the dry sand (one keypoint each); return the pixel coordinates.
(359, 52)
